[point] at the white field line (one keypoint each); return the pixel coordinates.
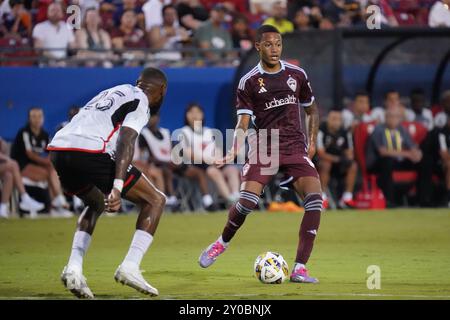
(249, 295)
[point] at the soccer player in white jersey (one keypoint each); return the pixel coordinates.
(92, 155)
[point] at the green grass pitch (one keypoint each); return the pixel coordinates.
(411, 247)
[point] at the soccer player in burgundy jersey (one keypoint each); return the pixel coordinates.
(269, 97)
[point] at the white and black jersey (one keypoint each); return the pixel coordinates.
(95, 128)
(25, 141)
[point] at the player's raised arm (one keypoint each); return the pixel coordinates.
(312, 121)
(240, 133)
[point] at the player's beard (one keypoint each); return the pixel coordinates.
(154, 108)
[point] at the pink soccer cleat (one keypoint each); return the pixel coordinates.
(301, 276)
(209, 256)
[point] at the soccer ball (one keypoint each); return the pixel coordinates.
(270, 267)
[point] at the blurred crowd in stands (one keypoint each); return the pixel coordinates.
(129, 32)
(400, 148)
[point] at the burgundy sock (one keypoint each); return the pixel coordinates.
(237, 214)
(309, 227)
(235, 221)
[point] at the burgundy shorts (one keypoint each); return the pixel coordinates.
(292, 166)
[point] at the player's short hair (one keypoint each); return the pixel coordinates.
(265, 29)
(154, 76)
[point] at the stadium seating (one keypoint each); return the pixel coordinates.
(369, 196)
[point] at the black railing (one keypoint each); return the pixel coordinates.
(10, 56)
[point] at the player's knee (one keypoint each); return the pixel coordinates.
(247, 202)
(158, 200)
(313, 202)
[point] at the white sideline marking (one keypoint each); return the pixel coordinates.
(314, 294)
(180, 296)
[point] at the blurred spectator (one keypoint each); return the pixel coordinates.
(17, 22)
(391, 148)
(418, 111)
(40, 7)
(168, 36)
(211, 35)
(264, 7)
(295, 5)
(87, 4)
(302, 21)
(127, 5)
(359, 111)
(93, 42)
(10, 178)
(153, 13)
(236, 6)
(335, 154)
(73, 110)
(155, 145)
(199, 148)
(391, 100)
(129, 36)
(241, 34)
(29, 150)
(4, 8)
(440, 119)
(153, 153)
(278, 18)
(326, 24)
(191, 14)
(444, 152)
(440, 14)
(386, 14)
(334, 9)
(54, 34)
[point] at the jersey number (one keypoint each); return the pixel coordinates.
(99, 104)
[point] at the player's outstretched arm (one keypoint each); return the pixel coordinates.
(240, 133)
(124, 155)
(312, 121)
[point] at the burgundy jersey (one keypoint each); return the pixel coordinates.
(273, 100)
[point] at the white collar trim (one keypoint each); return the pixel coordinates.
(262, 71)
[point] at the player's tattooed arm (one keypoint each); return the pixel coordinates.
(312, 121)
(240, 132)
(124, 155)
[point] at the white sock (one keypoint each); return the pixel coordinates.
(81, 241)
(3, 208)
(298, 266)
(25, 196)
(59, 201)
(225, 244)
(139, 246)
(324, 196)
(347, 196)
(207, 200)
